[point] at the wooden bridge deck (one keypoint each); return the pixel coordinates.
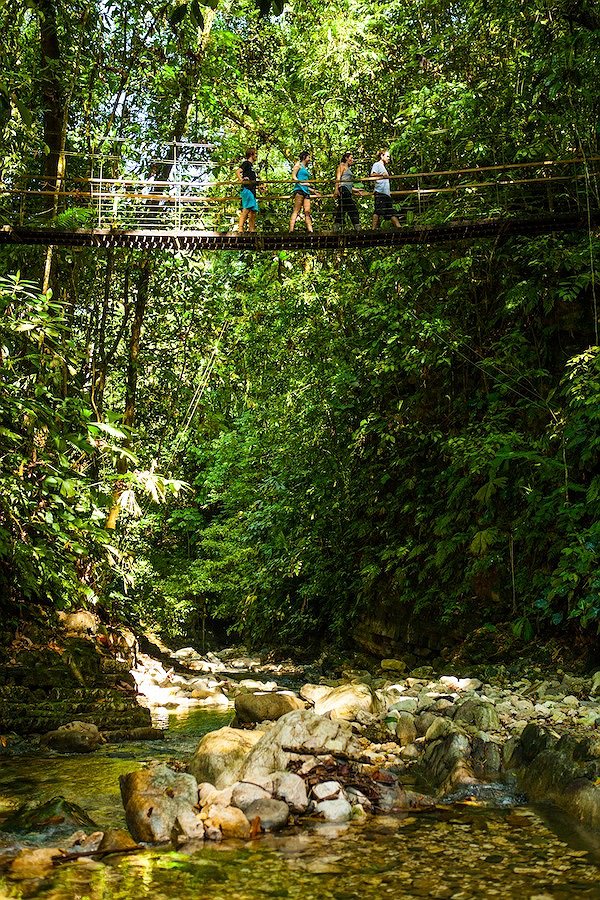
(299, 240)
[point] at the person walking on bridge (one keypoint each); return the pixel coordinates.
(344, 191)
(302, 192)
(383, 208)
(246, 175)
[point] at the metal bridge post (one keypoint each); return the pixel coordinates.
(100, 194)
(177, 189)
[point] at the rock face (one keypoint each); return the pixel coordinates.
(557, 771)
(160, 802)
(261, 706)
(346, 701)
(220, 755)
(43, 688)
(75, 737)
(296, 735)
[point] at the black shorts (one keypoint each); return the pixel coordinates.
(297, 192)
(383, 206)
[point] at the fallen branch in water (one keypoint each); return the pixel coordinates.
(68, 857)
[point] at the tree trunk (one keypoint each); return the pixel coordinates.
(131, 384)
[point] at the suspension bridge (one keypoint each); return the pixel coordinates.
(102, 201)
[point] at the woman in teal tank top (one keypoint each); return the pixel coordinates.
(302, 191)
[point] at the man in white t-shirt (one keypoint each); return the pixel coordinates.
(383, 208)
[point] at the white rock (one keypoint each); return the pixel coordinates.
(221, 754)
(346, 701)
(327, 790)
(291, 789)
(244, 793)
(338, 810)
(209, 795)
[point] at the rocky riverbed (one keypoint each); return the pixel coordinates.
(349, 752)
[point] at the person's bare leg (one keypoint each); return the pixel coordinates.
(396, 222)
(308, 217)
(251, 220)
(242, 219)
(375, 222)
(295, 211)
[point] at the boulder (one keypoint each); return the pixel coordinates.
(220, 755)
(116, 839)
(80, 623)
(273, 814)
(439, 728)
(291, 789)
(225, 822)
(447, 762)
(53, 815)
(208, 795)
(75, 737)
(406, 731)
(534, 740)
(296, 735)
(479, 713)
(486, 756)
(346, 701)
(314, 692)
(244, 793)
(423, 721)
(405, 704)
(260, 706)
(393, 665)
(553, 776)
(326, 790)
(337, 810)
(160, 803)
(34, 863)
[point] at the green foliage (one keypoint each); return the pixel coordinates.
(51, 516)
(414, 429)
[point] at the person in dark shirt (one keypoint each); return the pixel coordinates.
(246, 175)
(344, 190)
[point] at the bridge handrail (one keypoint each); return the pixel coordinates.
(207, 198)
(321, 181)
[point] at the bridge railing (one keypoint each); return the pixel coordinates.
(183, 204)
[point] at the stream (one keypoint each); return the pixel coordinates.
(469, 850)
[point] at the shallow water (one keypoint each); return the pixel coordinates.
(92, 781)
(467, 851)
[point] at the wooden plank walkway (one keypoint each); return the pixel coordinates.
(268, 242)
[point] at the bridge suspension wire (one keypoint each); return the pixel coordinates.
(205, 374)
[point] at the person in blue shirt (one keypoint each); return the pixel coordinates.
(246, 175)
(302, 192)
